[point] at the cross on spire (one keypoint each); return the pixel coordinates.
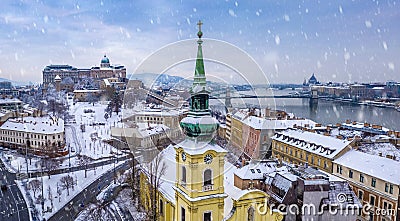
(199, 33)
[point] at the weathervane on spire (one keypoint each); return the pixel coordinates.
(199, 33)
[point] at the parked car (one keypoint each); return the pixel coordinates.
(3, 186)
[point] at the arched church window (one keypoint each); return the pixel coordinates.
(207, 177)
(250, 214)
(183, 174)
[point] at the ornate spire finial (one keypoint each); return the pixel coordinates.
(199, 33)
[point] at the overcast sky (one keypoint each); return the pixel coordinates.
(341, 41)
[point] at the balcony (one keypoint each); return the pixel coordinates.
(208, 188)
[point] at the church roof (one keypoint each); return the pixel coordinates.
(194, 148)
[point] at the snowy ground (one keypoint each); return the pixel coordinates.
(94, 132)
(89, 143)
(60, 197)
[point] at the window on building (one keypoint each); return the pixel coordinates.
(373, 182)
(386, 187)
(183, 174)
(350, 173)
(391, 189)
(372, 200)
(207, 216)
(207, 177)
(183, 215)
(361, 178)
(161, 207)
(250, 214)
(360, 195)
(385, 205)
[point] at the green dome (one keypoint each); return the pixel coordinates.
(199, 126)
(105, 60)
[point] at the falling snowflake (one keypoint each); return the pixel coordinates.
(277, 40)
(368, 24)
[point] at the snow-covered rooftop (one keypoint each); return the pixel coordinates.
(261, 123)
(44, 125)
(325, 146)
(193, 147)
(360, 126)
(10, 101)
(255, 171)
(379, 167)
(151, 129)
(384, 149)
(240, 115)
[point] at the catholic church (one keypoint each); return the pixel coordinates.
(198, 182)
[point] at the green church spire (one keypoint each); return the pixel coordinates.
(199, 74)
(199, 122)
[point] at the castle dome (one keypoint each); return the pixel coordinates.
(105, 60)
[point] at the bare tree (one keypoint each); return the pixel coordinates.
(49, 164)
(34, 185)
(91, 98)
(133, 180)
(50, 196)
(67, 182)
(156, 169)
(84, 161)
(59, 192)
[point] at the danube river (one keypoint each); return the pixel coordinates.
(326, 112)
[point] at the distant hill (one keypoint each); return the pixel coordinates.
(151, 79)
(14, 83)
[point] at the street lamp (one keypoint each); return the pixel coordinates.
(26, 155)
(114, 174)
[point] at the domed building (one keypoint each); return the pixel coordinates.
(105, 62)
(313, 80)
(106, 70)
(117, 73)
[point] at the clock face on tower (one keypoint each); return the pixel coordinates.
(208, 159)
(183, 156)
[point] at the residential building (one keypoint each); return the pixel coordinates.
(167, 117)
(302, 147)
(10, 104)
(375, 180)
(257, 134)
(236, 130)
(42, 135)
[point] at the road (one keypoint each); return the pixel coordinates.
(77, 168)
(88, 195)
(12, 204)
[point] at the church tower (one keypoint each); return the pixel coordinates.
(199, 186)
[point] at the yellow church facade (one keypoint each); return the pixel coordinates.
(195, 201)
